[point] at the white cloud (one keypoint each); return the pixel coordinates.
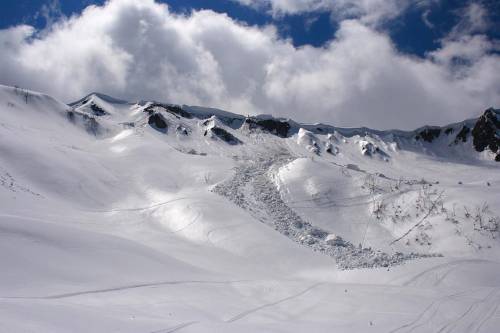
(50, 12)
(425, 19)
(371, 12)
(138, 49)
(473, 19)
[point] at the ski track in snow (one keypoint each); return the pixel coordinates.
(452, 265)
(471, 320)
(176, 327)
(267, 305)
(115, 210)
(475, 315)
(122, 288)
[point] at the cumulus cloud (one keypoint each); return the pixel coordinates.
(138, 49)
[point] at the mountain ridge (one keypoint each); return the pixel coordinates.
(284, 127)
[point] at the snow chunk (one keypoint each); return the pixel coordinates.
(308, 140)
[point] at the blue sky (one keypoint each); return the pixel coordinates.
(382, 63)
(409, 32)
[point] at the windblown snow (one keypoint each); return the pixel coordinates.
(120, 216)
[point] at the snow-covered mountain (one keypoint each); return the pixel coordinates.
(152, 217)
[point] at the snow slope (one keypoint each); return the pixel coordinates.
(150, 217)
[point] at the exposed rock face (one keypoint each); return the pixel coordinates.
(158, 122)
(223, 135)
(97, 110)
(462, 135)
(273, 126)
(173, 109)
(331, 149)
(89, 123)
(429, 134)
(486, 132)
(369, 149)
(181, 130)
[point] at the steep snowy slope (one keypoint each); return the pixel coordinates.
(151, 217)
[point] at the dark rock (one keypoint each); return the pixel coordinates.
(462, 135)
(224, 135)
(429, 134)
(273, 126)
(71, 116)
(182, 130)
(128, 125)
(158, 122)
(90, 123)
(448, 131)
(97, 110)
(485, 132)
(331, 149)
(173, 109)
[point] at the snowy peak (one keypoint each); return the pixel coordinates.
(486, 132)
(98, 97)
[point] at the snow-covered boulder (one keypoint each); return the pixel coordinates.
(308, 140)
(370, 149)
(334, 240)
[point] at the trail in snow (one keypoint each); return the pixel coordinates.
(267, 305)
(474, 316)
(126, 287)
(430, 271)
(115, 210)
(429, 312)
(472, 319)
(176, 327)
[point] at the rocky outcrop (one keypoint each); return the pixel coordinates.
(182, 130)
(428, 134)
(158, 122)
(89, 123)
(273, 126)
(222, 134)
(97, 110)
(486, 132)
(369, 149)
(173, 109)
(462, 135)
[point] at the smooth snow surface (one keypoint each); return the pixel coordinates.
(108, 224)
